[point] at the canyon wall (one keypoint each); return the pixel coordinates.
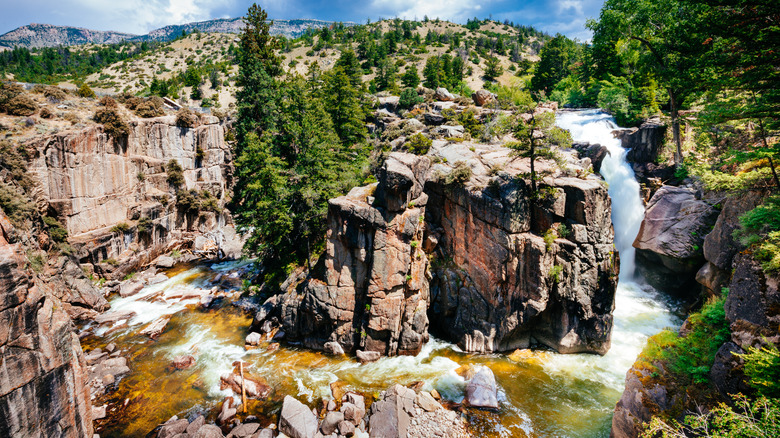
(470, 255)
(94, 182)
(42, 369)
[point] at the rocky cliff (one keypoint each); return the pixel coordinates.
(103, 188)
(494, 283)
(42, 378)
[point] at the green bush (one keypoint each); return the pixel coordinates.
(18, 207)
(409, 98)
(188, 200)
(120, 228)
(419, 144)
(145, 225)
(555, 273)
(175, 173)
(459, 175)
(85, 91)
(56, 230)
(149, 108)
(185, 118)
(762, 368)
(689, 358)
(113, 123)
(760, 228)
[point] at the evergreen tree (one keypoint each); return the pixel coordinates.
(556, 57)
(343, 103)
(411, 77)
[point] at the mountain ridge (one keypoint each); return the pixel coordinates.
(35, 35)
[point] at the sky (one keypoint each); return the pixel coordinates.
(140, 16)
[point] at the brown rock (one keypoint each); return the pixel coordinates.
(481, 97)
(182, 362)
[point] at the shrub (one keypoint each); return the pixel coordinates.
(21, 105)
(762, 368)
(16, 205)
(409, 98)
(459, 175)
(145, 225)
(120, 228)
(209, 202)
(185, 118)
(148, 109)
(7, 92)
(112, 121)
(419, 144)
(54, 94)
(549, 238)
(108, 102)
(85, 91)
(57, 232)
(46, 113)
(175, 173)
(188, 200)
(555, 273)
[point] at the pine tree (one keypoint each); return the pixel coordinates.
(411, 77)
(343, 104)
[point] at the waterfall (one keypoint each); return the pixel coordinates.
(595, 126)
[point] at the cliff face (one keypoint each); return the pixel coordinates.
(42, 387)
(94, 182)
(495, 283)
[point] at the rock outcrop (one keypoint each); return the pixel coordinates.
(94, 182)
(644, 142)
(370, 290)
(497, 283)
(42, 369)
(670, 239)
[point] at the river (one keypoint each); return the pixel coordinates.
(541, 393)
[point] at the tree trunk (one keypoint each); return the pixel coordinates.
(533, 171)
(766, 146)
(674, 110)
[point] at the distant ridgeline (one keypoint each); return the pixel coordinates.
(47, 35)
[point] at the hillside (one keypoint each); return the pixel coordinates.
(199, 57)
(47, 35)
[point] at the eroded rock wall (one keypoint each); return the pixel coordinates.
(42, 387)
(94, 182)
(496, 284)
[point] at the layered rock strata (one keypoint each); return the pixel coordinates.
(42, 369)
(93, 182)
(497, 284)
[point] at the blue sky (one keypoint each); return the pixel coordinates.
(140, 16)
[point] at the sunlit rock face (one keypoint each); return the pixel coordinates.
(470, 256)
(42, 386)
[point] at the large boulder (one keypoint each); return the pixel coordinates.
(443, 95)
(644, 143)
(481, 390)
(482, 97)
(391, 414)
(296, 419)
(670, 239)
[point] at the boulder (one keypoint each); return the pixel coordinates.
(173, 428)
(156, 327)
(130, 288)
(367, 356)
(595, 152)
(331, 422)
(157, 279)
(196, 424)
(443, 95)
(208, 431)
(426, 401)
(448, 131)
(720, 247)
(296, 419)
(226, 412)
(481, 390)
(245, 430)
(434, 119)
(482, 97)
(164, 262)
(670, 239)
(254, 339)
(182, 362)
(334, 349)
(391, 414)
(644, 143)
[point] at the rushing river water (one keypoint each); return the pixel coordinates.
(541, 393)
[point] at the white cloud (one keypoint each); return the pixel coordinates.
(141, 16)
(454, 10)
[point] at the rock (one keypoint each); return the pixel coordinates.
(481, 390)
(367, 356)
(245, 430)
(226, 413)
(434, 119)
(644, 143)
(196, 424)
(156, 327)
(98, 412)
(333, 348)
(712, 278)
(173, 428)
(164, 262)
(331, 422)
(43, 391)
(296, 419)
(595, 152)
(265, 433)
(443, 95)
(391, 414)
(670, 239)
(253, 339)
(130, 288)
(448, 131)
(157, 279)
(753, 304)
(346, 428)
(353, 412)
(331, 405)
(636, 405)
(482, 97)
(208, 431)
(255, 387)
(182, 362)
(720, 247)
(426, 401)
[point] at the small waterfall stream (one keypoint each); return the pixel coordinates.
(541, 393)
